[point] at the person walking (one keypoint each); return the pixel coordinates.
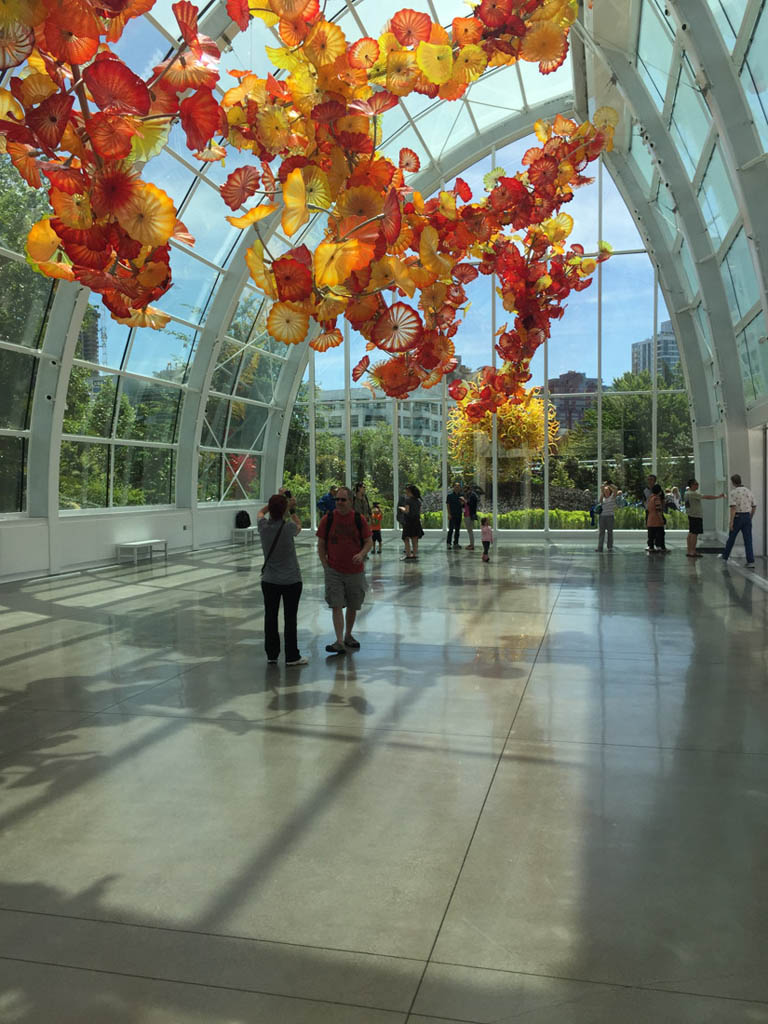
(328, 502)
(280, 577)
(376, 518)
(470, 516)
(343, 541)
(692, 500)
(654, 517)
(360, 501)
(486, 536)
(412, 529)
(455, 504)
(607, 515)
(742, 504)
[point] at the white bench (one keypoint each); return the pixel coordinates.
(244, 534)
(135, 547)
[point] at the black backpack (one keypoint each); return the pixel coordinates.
(242, 520)
(358, 524)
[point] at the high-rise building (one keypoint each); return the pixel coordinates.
(667, 355)
(570, 410)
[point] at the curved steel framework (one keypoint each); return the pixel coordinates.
(696, 195)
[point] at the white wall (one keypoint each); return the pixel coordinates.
(79, 540)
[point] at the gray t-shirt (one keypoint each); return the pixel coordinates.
(693, 504)
(283, 565)
(608, 504)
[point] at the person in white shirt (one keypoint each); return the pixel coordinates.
(742, 504)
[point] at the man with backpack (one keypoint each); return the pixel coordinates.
(343, 541)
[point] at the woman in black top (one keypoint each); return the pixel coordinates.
(412, 531)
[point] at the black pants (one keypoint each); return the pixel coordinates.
(656, 537)
(486, 546)
(291, 595)
(454, 526)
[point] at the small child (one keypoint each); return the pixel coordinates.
(486, 535)
(375, 527)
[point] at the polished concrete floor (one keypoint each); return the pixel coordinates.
(538, 793)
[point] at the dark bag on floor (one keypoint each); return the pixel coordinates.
(242, 520)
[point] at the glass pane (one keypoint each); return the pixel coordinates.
(297, 455)
(171, 176)
(227, 365)
(618, 227)
(148, 412)
(628, 283)
(665, 207)
(250, 321)
(83, 473)
(739, 278)
(329, 446)
(241, 477)
(215, 423)
(753, 360)
(627, 451)
(674, 451)
(24, 300)
(372, 455)
(717, 200)
(102, 340)
(204, 218)
(638, 151)
(690, 121)
(702, 319)
(655, 53)
(20, 207)
(246, 426)
(540, 88)
(143, 476)
(728, 15)
(573, 339)
(193, 284)
(166, 354)
(689, 267)
(17, 379)
(573, 465)
(259, 374)
(141, 47)
(209, 476)
(91, 403)
(754, 76)
(12, 474)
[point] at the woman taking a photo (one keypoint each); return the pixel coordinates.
(280, 576)
(411, 522)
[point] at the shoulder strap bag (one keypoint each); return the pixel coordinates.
(272, 547)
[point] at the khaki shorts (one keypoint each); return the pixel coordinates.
(345, 590)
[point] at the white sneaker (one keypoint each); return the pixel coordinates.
(750, 565)
(299, 661)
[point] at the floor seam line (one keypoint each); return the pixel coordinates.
(196, 984)
(494, 773)
(206, 934)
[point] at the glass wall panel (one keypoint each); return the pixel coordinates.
(754, 76)
(166, 354)
(296, 468)
(209, 476)
(674, 458)
(654, 50)
(227, 366)
(628, 285)
(258, 376)
(627, 452)
(690, 120)
(83, 475)
(25, 297)
(573, 343)
(728, 15)
(17, 380)
(618, 226)
(753, 360)
(242, 480)
(20, 207)
(573, 464)
(193, 284)
(143, 476)
(638, 151)
(689, 267)
(12, 474)
(148, 412)
(716, 198)
(246, 426)
(215, 423)
(91, 398)
(101, 340)
(420, 443)
(739, 278)
(202, 216)
(329, 447)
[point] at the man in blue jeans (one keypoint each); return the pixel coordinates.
(742, 505)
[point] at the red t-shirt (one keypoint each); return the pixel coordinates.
(344, 541)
